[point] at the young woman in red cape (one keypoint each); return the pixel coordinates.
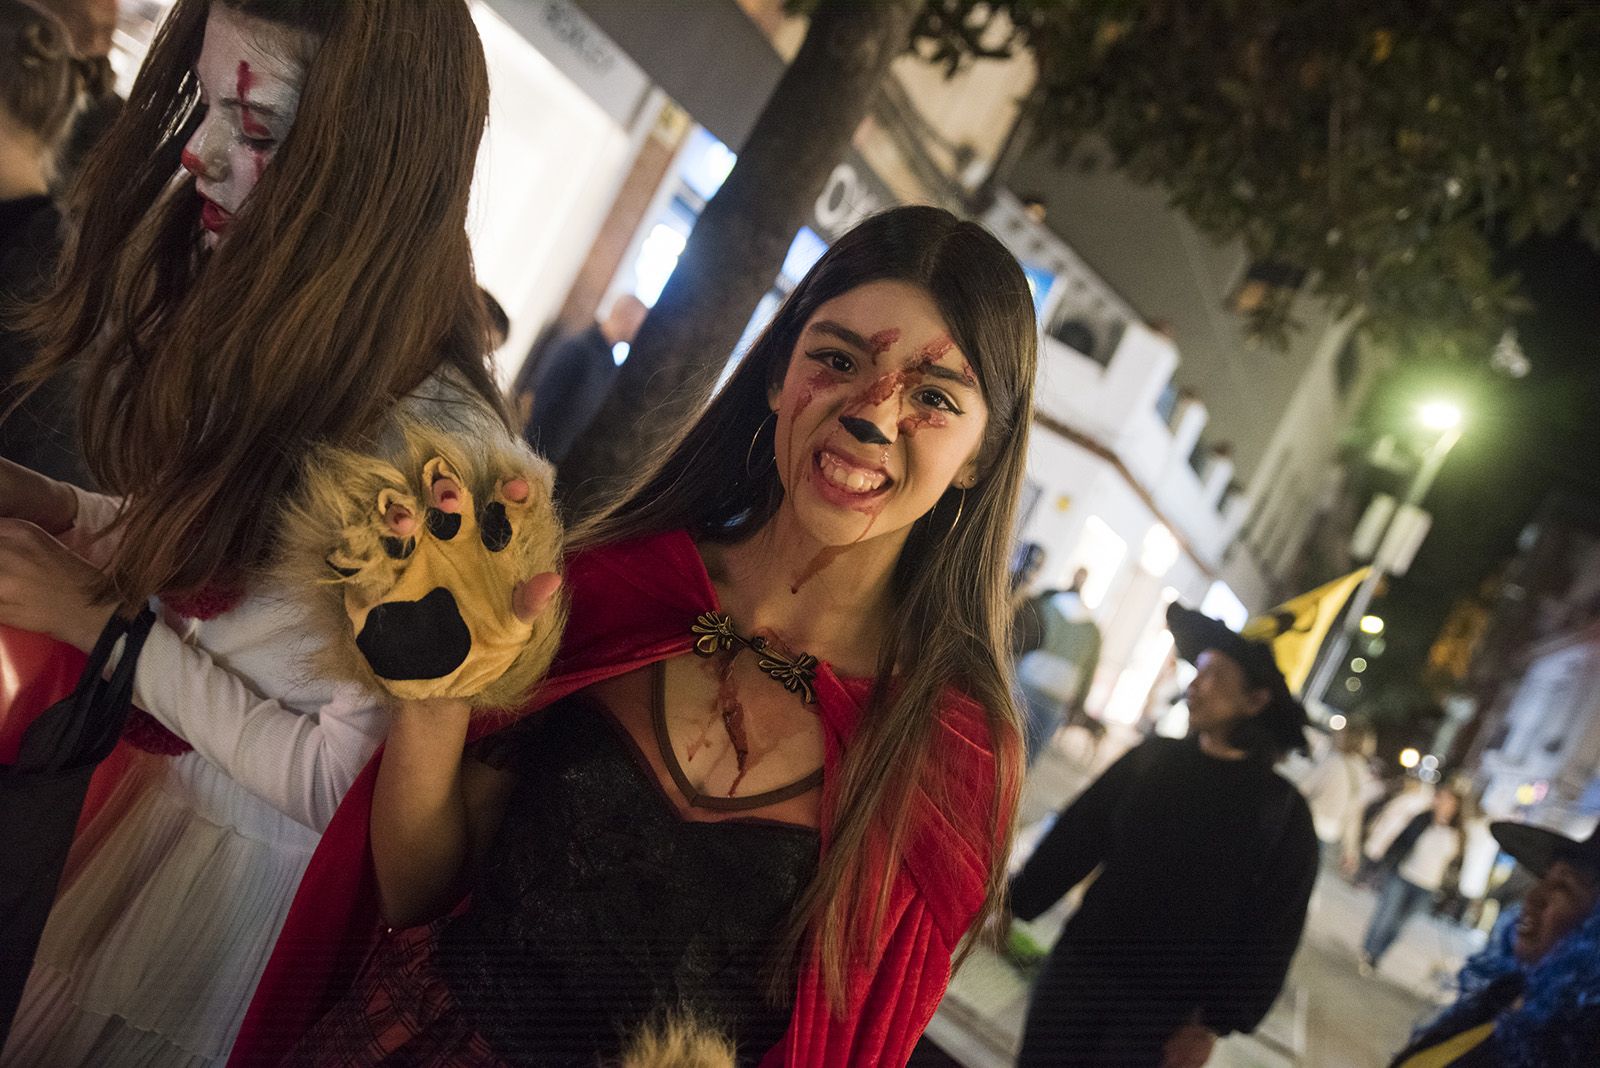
(770, 780)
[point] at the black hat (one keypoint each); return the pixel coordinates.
(1536, 848)
(1194, 633)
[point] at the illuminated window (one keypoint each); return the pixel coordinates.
(1101, 552)
(1159, 551)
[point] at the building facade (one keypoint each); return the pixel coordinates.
(1532, 734)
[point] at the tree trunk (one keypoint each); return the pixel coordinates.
(739, 243)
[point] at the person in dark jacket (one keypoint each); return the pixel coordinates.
(1207, 859)
(1531, 999)
(1416, 866)
(574, 377)
(40, 83)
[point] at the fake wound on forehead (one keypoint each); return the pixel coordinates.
(248, 121)
(927, 362)
(882, 341)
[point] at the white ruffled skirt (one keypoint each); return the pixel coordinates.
(171, 902)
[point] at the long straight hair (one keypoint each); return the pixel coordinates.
(344, 282)
(949, 584)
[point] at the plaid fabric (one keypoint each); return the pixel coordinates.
(398, 1013)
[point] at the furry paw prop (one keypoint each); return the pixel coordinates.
(414, 563)
(678, 1042)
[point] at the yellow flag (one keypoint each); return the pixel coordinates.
(1296, 627)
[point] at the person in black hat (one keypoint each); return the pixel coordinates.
(1207, 861)
(1532, 998)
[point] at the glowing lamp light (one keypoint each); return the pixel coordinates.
(1358, 665)
(1337, 722)
(1371, 625)
(1439, 415)
(1353, 685)
(1409, 758)
(1159, 551)
(1430, 762)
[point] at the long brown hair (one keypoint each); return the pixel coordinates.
(344, 283)
(949, 584)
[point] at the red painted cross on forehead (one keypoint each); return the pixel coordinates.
(252, 126)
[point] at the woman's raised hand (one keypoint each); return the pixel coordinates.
(38, 499)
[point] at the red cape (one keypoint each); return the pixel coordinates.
(633, 604)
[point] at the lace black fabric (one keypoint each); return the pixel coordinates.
(600, 909)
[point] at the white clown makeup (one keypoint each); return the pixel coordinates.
(251, 73)
(879, 415)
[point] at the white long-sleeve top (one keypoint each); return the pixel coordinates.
(240, 689)
(174, 896)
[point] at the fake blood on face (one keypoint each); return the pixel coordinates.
(253, 127)
(912, 424)
(826, 556)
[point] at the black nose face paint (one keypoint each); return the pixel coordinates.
(863, 430)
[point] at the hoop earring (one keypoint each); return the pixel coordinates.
(960, 507)
(751, 450)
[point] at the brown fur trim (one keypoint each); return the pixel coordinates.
(679, 1042)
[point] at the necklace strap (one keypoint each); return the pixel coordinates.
(696, 799)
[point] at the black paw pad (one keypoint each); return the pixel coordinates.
(399, 548)
(495, 527)
(343, 572)
(443, 525)
(407, 640)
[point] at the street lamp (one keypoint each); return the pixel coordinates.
(1439, 415)
(1444, 418)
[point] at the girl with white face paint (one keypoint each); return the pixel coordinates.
(252, 276)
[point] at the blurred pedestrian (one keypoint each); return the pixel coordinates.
(1027, 617)
(1338, 788)
(1207, 858)
(1532, 998)
(574, 377)
(90, 24)
(1384, 820)
(1417, 866)
(1056, 675)
(40, 84)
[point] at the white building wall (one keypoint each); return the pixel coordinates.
(1551, 752)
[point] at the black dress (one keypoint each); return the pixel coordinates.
(600, 908)
(1208, 869)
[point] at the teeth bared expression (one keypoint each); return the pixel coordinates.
(879, 415)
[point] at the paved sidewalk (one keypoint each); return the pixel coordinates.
(1328, 1016)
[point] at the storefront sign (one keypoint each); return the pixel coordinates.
(579, 49)
(853, 192)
